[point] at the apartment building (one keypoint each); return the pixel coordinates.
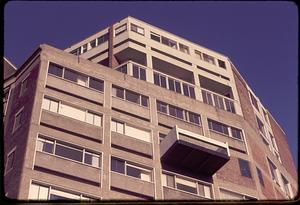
(135, 112)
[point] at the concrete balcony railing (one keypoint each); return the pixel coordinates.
(192, 152)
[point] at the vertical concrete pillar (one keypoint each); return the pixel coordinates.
(112, 61)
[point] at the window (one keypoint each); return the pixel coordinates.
(68, 151)
(102, 39)
(76, 51)
(194, 118)
(169, 42)
(176, 112)
(254, 101)
(274, 171)
(84, 48)
(160, 80)
(198, 54)
(130, 131)
(18, 119)
(174, 85)
(76, 77)
(287, 187)
(130, 96)
(124, 167)
(120, 29)
(72, 112)
(96, 84)
(55, 69)
(188, 91)
(122, 69)
(208, 58)
(138, 72)
(155, 37)
(162, 107)
(273, 142)
(43, 192)
(137, 29)
(244, 168)
(187, 185)
(184, 48)
(236, 133)
(218, 101)
(260, 126)
(217, 126)
(260, 177)
(10, 160)
(24, 86)
(93, 43)
(221, 64)
(226, 194)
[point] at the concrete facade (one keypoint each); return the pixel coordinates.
(55, 153)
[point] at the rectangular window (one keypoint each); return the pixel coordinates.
(120, 29)
(209, 58)
(50, 104)
(68, 152)
(55, 69)
(217, 126)
(198, 54)
(92, 159)
(188, 90)
(194, 118)
(155, 37)
(260, 177)
(96, 84)
(102, 39)
(144, 101)
(18, 119)
(137, 29)
(118, 127)
(118, 92)
(186, 185)
(160, 80)
(117, 165)
(221, 64)
(84, 48)
(76, 51)
(162, 107)
(274, 171)
(260, 126)
(24, 86)
(169, 42)
(132, 97)
(236, 133)
(176, 112)
(184, 48)
(122, 69)
(93, 118)
(10, 160)
(254, 101)
(75, 77)
(139, 72)
(38, 192)
(93, 43)
(45, 145)
(244, 168)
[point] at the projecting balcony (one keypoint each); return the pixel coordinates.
(197, 154)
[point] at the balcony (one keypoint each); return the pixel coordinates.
(188, 151)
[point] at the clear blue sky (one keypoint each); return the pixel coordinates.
(261, 38)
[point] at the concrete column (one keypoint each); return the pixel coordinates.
(112, 61)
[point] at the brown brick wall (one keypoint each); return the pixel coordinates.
(283, 148)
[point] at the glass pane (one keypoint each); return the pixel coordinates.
(192, 92)
(89, 118)
(155, 37)
(142, 74)
(170, 181)
(82, 80)
(53, 106)
(163, 82)
(68, 152)
(179, 113)
(156, 79)
(145, 101)
(92, 159)
(162, 107)
(96, 84)
(70, 75)
(45, 146)
(46, 104)
(171, 84)
(55, 70)
(209, 99)
(117, 165)
(119, 92)
(185, 89)
(172, 111)
(134, 172)
(135, 71)
(132, 97)
(177, 86)
(236, 133)
(97, 120)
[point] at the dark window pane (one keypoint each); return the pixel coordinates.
(55, 70)
(96, 84)
(194, 118)
(142, 74)
(102, 39)
(172, 111)
(185, 89)
(123, 69)
(204, 96)
(209, 99)
(221, 63)
(244, 168)
(56, 197)
(236, 133)
(192, 92)
(163, 82)
(155, 37)
(179, 113)
(170, 181)
(135, 71)
(177, 86)
(70, 75)
(187, 188)
(68, 152)
(48, 147)
(156, 79)
(132, 97)
(119, 92)
(162, 107)
(171, 84)
(93, 43)
(117, 165)
(134, 172)
(145, 101)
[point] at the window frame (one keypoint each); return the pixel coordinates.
(122, 30)
(245, 169)
(20, 113)
(132, 25)
(24, 85)
(11, 152)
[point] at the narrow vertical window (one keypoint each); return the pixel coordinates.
(55, 70)
(244, 168)
(260, 177)
(24, 86)
(18, 119)
(10, 160)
